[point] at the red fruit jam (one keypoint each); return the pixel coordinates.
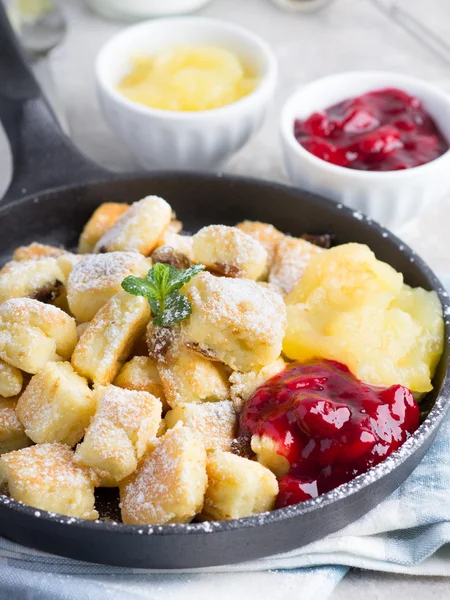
(330, 426)
(384, 130)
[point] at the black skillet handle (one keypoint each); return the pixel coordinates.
(43, 156)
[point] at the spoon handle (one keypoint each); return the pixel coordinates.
(416, 29)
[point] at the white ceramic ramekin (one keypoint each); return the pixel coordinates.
(393, 198)
(144, 9)
(184, 140)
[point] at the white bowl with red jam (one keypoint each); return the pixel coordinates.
(375, 141)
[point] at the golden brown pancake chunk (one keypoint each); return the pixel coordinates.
(96, 279)
(66, 262)
(122, 430)
(12, 433)
(33, 334)
(106, 343)
(237, 320)
(169, 483)
(39, 279)
(266, 450)
(266, 234)
(11, 380)
(244, 384)
(46, 477)
(101, 221)
(36, 251)
(186, 376)
(237, 487)
(229, 251)
(215, 422)
(139, 228)
(141, 374)
(57, 405)
(181, 244)
(291, 257)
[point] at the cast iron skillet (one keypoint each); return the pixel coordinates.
(44, 159)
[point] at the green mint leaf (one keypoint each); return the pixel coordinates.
(159, 275)
(138, 287)
(160, 287)
(177, 308)
(155, 306)
(179, 277)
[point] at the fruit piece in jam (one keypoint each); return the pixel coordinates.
(317, 426)
(383, 130)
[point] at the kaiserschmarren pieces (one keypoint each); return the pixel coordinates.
(39, 279)
(169, 483)
(101, 221)
(81, 328)
(237, 487)
(141, 374)
(11, 380)
(266, 234)
(96, 279)
(56, 406)
(66, 262)
(231, 252)
(215, 422)
(12, 433)
(290, 260)
(139, 229)
(189, 377)
(182, 244)
(36, 251)
(244, 384)
(107, 342)
(240, 322)
(122, 430)
(33, 333)
(267, 454)
(169, 256)
(45, 477)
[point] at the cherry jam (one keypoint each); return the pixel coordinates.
(330, 426)
(384, 130)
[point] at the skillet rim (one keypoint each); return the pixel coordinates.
(397, 458)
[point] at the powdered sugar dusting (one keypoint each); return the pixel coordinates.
(104, 271)
(27, 278)
(170, 483)
(291, 258)
(36, 251)
(49, 476)
(230, 252)
(139, 228)
(215, 422)
(242, 322)
(11, 429)
(122, 430)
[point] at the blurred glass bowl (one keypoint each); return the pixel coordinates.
(39, 24)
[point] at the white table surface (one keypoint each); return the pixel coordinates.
(351, 34)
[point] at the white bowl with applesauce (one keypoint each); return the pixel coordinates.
(184, 140)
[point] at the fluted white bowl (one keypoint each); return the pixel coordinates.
(391, 197)
(184, 140)
(144, 9)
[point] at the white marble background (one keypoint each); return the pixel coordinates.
(350, 34)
